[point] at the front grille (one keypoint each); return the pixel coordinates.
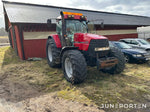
(97, 44)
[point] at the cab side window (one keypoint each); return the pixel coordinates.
(59, 28)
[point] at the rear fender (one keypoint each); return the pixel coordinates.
(56, 40)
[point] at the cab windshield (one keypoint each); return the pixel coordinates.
(75, 26)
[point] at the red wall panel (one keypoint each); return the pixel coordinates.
(18, 42)
(35, 48)
(120, 36)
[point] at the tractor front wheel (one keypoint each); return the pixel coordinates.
(74, 66)
(118, 68)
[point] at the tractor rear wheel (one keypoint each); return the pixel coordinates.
(118, 68)
(52, 53)
(74, 66)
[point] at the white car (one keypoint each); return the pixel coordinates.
(137, 43)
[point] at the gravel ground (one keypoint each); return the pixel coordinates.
(21, 97)
(46, 103)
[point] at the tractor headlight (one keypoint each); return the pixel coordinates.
(102, 49)
(137, 55)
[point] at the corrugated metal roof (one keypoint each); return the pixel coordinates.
(31, 13)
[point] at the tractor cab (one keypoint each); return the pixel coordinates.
(70, 23)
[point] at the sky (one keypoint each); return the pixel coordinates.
(133, 7)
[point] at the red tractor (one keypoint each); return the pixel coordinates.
(74, 48)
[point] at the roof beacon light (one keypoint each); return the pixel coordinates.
(72, 13)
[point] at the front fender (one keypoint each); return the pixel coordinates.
(67, 48)
(56, 40)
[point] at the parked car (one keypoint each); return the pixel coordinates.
(137, 43)
(131, 54)
(148, 39)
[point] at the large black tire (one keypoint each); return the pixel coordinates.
(52, 53)
(115, 52)
(74, 66)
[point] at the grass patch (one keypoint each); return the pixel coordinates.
(131, 86)
(74, 95)
(142, 88)
(7, 56)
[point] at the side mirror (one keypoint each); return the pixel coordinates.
(102, 25)
(49, 22)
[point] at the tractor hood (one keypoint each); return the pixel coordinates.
(82, 40)
(86, 37)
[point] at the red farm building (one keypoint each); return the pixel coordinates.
(27, 28)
